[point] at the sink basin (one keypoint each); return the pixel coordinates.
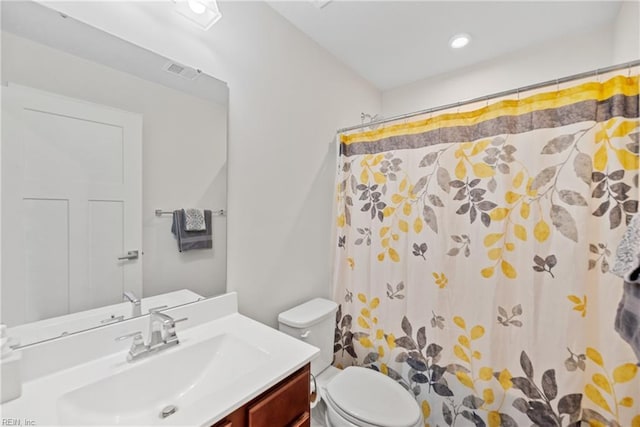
(223, 361)
(138, 394)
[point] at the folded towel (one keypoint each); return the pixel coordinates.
(627, 321)
(627, 262)
(194, 220)
(188, 240)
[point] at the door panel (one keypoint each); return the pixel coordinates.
(106, 273)
(63, 149)
(71, 173)
(46, 242)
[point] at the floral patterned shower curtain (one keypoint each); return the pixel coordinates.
(473, 252)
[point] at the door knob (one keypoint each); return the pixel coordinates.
(129, 256)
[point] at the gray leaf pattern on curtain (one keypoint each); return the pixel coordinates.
(473, 257)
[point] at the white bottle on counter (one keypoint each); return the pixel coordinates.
(11, 380)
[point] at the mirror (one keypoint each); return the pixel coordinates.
(98, 134)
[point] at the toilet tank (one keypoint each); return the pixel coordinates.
(313, 322)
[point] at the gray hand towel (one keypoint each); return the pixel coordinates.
(189, 240)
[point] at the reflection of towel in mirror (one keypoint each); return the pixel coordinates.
(188, 240)
(194, 220)
(627, 266)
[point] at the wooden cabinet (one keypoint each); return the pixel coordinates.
(284, 405)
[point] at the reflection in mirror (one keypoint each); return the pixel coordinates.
(97, 135)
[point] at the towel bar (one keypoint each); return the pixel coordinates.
(220, 212)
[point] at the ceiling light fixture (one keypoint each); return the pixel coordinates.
(197, 7)
(459, 40)
(203, 13)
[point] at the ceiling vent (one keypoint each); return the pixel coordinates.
(181, 70)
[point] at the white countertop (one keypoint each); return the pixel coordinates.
(283, 355)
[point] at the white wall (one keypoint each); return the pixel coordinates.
(626, 33)
(287, 97)
(184, 155)
(555, 59)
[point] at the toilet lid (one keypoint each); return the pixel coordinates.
(373, 397)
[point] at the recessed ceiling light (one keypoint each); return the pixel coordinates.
(459, 40)
(197, 7)
(203, 13)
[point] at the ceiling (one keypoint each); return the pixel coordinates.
(391, 43)
(36, 22)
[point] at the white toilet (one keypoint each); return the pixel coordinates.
(355, 396)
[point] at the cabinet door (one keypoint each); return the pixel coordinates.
(303, 421)
(287, 405)
(235, 419)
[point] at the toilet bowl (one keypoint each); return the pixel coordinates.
(362, 397)
(355, 396)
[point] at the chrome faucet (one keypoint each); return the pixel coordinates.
(162, 330)
(162, 335)
(135, 303)
(138, 347)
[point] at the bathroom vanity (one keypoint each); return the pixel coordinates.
(285, 404)
(87, 358)
(227, 370)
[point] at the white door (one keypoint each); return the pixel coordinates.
(71, 204)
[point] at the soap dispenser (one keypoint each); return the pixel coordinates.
(11, 380)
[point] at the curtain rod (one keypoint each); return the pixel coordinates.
(496, 95)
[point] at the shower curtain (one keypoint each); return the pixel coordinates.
(473, 252)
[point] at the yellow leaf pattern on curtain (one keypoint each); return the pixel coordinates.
(511, 213)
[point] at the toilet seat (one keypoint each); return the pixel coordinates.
(367, 398)
(333, 411)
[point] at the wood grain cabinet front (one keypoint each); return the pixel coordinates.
(284, 405)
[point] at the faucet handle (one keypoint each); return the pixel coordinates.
(171, 329)
(158, 308)
(137, 337)
(138, 347)
(170, 332)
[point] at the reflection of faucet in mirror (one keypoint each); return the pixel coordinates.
(135, 303)
(162, 335)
